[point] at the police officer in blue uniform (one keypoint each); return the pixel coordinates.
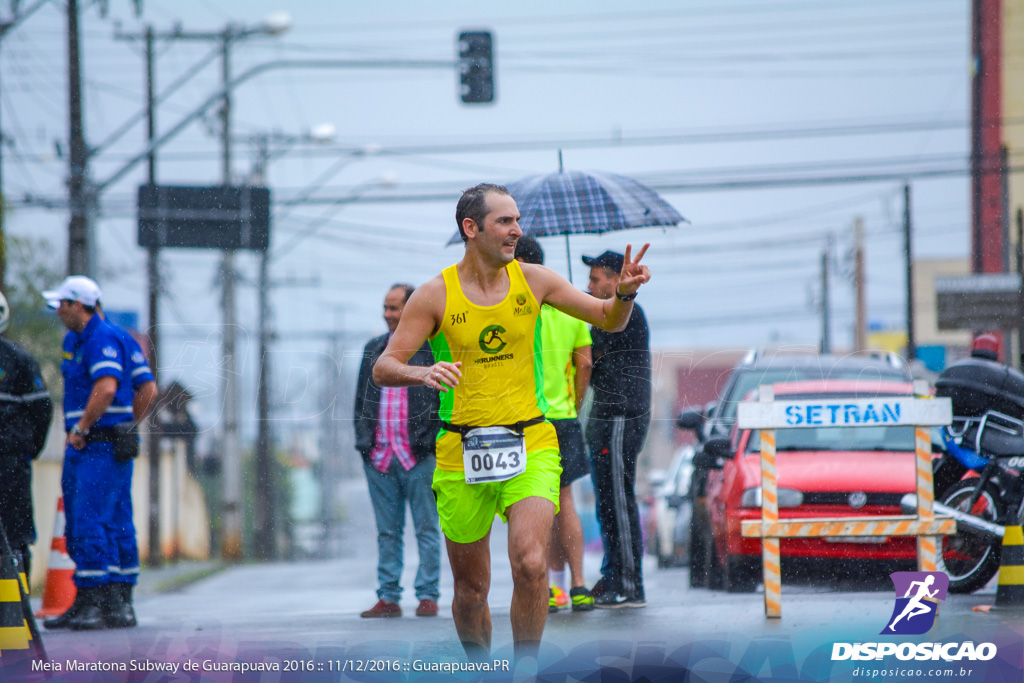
(25, 412)
(144, 392)
(97, 459)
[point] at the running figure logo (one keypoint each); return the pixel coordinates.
(490, 341)
(917, 596)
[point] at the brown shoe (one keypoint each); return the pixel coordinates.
(382, 609)
(427, 608)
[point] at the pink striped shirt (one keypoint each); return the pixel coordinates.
(392, 436)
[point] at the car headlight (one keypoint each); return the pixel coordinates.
(788, 498)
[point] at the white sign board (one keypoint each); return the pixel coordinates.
(843, 412)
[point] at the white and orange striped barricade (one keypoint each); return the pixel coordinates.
(767, 415)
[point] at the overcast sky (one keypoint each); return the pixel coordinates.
(672, 93)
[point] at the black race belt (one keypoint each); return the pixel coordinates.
(518, 427)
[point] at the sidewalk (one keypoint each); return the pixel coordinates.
(176, 576)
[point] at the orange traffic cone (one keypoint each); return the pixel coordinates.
(59, 592)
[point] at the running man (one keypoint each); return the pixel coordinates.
(915, 607)
(495, 452)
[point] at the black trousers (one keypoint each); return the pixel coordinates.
(615, 442)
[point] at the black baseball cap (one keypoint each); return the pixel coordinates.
(529, 250)
(609, 259)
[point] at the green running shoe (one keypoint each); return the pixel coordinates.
(582, 600)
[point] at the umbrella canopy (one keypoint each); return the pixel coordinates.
(572, 202)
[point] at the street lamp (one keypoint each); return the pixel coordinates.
(277, 23)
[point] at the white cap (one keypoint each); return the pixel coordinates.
(74, 288)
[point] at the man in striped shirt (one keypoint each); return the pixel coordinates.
(396, 428)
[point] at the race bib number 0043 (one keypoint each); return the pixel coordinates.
(493, 454)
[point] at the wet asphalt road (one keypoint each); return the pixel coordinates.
(310, 610)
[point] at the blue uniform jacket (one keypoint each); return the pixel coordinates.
(95, 353)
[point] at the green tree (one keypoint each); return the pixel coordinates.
(30, 271)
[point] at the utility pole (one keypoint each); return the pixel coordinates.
(331, 447)
(153, 272)
(826, 335)
(859, 285)
(79, 229)
(908, 254)
(265, 536)
(231, 546)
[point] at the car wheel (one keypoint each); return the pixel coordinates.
(740, 574)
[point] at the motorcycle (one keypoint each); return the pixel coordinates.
(978, 480)
(985, 504)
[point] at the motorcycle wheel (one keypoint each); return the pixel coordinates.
(969, 561)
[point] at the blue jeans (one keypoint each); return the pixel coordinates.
(388, 493)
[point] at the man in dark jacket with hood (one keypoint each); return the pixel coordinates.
(395, 432)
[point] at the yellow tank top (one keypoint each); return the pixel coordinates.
(502, 373)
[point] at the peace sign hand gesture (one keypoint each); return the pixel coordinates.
(633, 274)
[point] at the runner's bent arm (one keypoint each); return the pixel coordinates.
(420, 319)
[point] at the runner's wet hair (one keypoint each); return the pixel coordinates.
(473, 204)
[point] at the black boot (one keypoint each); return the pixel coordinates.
(119, 611)
(90, 616)
(63, 620)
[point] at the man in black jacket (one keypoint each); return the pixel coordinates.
(395, 432)
(25, 412)
(616, 430)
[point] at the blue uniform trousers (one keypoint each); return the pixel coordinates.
(97, 506)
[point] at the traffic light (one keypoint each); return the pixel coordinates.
(476, 67)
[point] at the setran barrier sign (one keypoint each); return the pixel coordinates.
(204, 217)
(768, 415)
(862, 412)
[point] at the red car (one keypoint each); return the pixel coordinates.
(821, 472)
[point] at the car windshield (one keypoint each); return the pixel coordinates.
(838, 439)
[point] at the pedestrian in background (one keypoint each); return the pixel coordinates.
(616, 430)
(396, 428)
(565, 350)
(25, 412)
(97, 459)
